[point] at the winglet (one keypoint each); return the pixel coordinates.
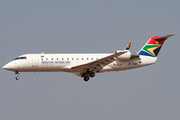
(128, 47)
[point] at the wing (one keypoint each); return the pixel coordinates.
(97, 65)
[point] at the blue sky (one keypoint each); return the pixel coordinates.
(79, 26)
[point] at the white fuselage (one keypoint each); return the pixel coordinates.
(65, 62)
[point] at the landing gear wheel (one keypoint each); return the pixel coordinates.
(86, 78)
(92, 74)
(17, 77)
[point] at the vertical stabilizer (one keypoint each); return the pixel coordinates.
(153, 46)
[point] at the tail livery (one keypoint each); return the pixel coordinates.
(153, 46)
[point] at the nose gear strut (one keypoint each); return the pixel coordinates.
(17, 75)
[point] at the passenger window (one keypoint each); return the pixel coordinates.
(51, 58)
(62, 58)
(82, 59)
(67, 58)
(77, 58)
(57, 58)
(72, 58)
(91, 58)
(41, 58)
(46, 58)
(87, 58)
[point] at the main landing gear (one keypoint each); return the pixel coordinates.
(87, 75)
(86, 78)
(17, 75)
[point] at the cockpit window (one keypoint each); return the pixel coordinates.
(16, 58)
(20, 58)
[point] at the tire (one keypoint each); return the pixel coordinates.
(92, 74)
(17, 78)
(86, 78)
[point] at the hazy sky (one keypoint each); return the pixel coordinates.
(79, 26)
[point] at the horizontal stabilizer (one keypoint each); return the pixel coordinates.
(164, 37)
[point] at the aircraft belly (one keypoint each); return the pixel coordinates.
(107, 68)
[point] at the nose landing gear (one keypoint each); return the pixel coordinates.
(17, 75)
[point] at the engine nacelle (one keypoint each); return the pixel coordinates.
(128, 55)
(125, 56)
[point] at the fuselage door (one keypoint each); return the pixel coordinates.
(35, 60)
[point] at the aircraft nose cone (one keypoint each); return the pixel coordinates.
(7, 67)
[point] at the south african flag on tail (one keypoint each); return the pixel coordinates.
(153, 46)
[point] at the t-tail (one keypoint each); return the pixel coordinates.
(153, 46)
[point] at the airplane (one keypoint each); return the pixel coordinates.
(87, 65)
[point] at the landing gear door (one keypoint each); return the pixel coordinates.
(35, 60)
